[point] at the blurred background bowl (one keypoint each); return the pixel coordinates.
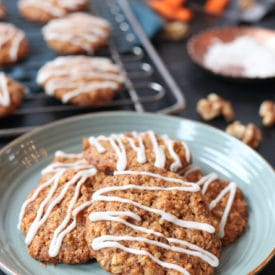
(199, 44)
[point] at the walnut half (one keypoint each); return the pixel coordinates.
(214, 106)
(267, 112)
(250, 134)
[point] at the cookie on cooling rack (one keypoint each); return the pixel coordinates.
(3, 10)
(125, 151)
(77, 33)
(81, 80)
(43, 11)
(226, 202)
(149, 221)
(54, 214)
(11, 95)
(13, 44)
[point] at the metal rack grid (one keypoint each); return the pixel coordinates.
(148, 86)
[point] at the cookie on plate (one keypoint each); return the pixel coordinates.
(77, 33)
(14, 45)
(226, 202)
(11, 95)
(53, 216)
(81, 80)
(43, 11)
(125, 151)
(150, 221)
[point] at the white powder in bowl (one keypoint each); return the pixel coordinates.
(243, 56)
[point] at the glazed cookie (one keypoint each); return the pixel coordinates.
(78, 33)
(125, 151)
(14, 45)
(81, 80)
(53, 215)
(43, 11)
(226, 202)
(153, 222)
(3, 10)
(11, 95)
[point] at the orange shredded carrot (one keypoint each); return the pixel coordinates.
(216, 6)
(171, 11)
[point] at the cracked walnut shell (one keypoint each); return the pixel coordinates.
(267, 112)
(214, 106)
(250, 134)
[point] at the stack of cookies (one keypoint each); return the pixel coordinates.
(136, 204)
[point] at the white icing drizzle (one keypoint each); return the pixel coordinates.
(158, 151)
(68, 156)
(88, 88)
(9, 33)
(116, 216)
(231, 188)
(140, 149)
(97, 196)
(79, 74)
(158, 176)
(170, 145)
(117, 144)
(52, 9)
(206, 181)
(4, 92)
(83, 171)
(79, 29)
(94, 141)
(111, 241)
(160, 157)
(189, 169)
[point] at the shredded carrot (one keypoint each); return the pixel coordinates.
(171, 9)
(216, 6)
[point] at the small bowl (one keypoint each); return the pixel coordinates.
(198, 45)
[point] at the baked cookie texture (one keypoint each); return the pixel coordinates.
(42, 11)
(226, 202)
(11, 95)
(14, 45)
(125, 151)
(54, 214)
(150, 221)
(77, 33)
(135, 203)
(81, 80)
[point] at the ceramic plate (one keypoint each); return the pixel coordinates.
(213, 150)
(199, 44)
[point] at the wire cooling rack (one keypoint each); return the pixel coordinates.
(148, 86)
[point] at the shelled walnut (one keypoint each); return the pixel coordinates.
(249, 134)
(267, 112)
(175, 30)
(214, 106)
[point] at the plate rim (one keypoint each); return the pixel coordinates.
(119, 113)
(72, 119)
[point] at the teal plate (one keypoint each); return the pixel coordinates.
(213, 150)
